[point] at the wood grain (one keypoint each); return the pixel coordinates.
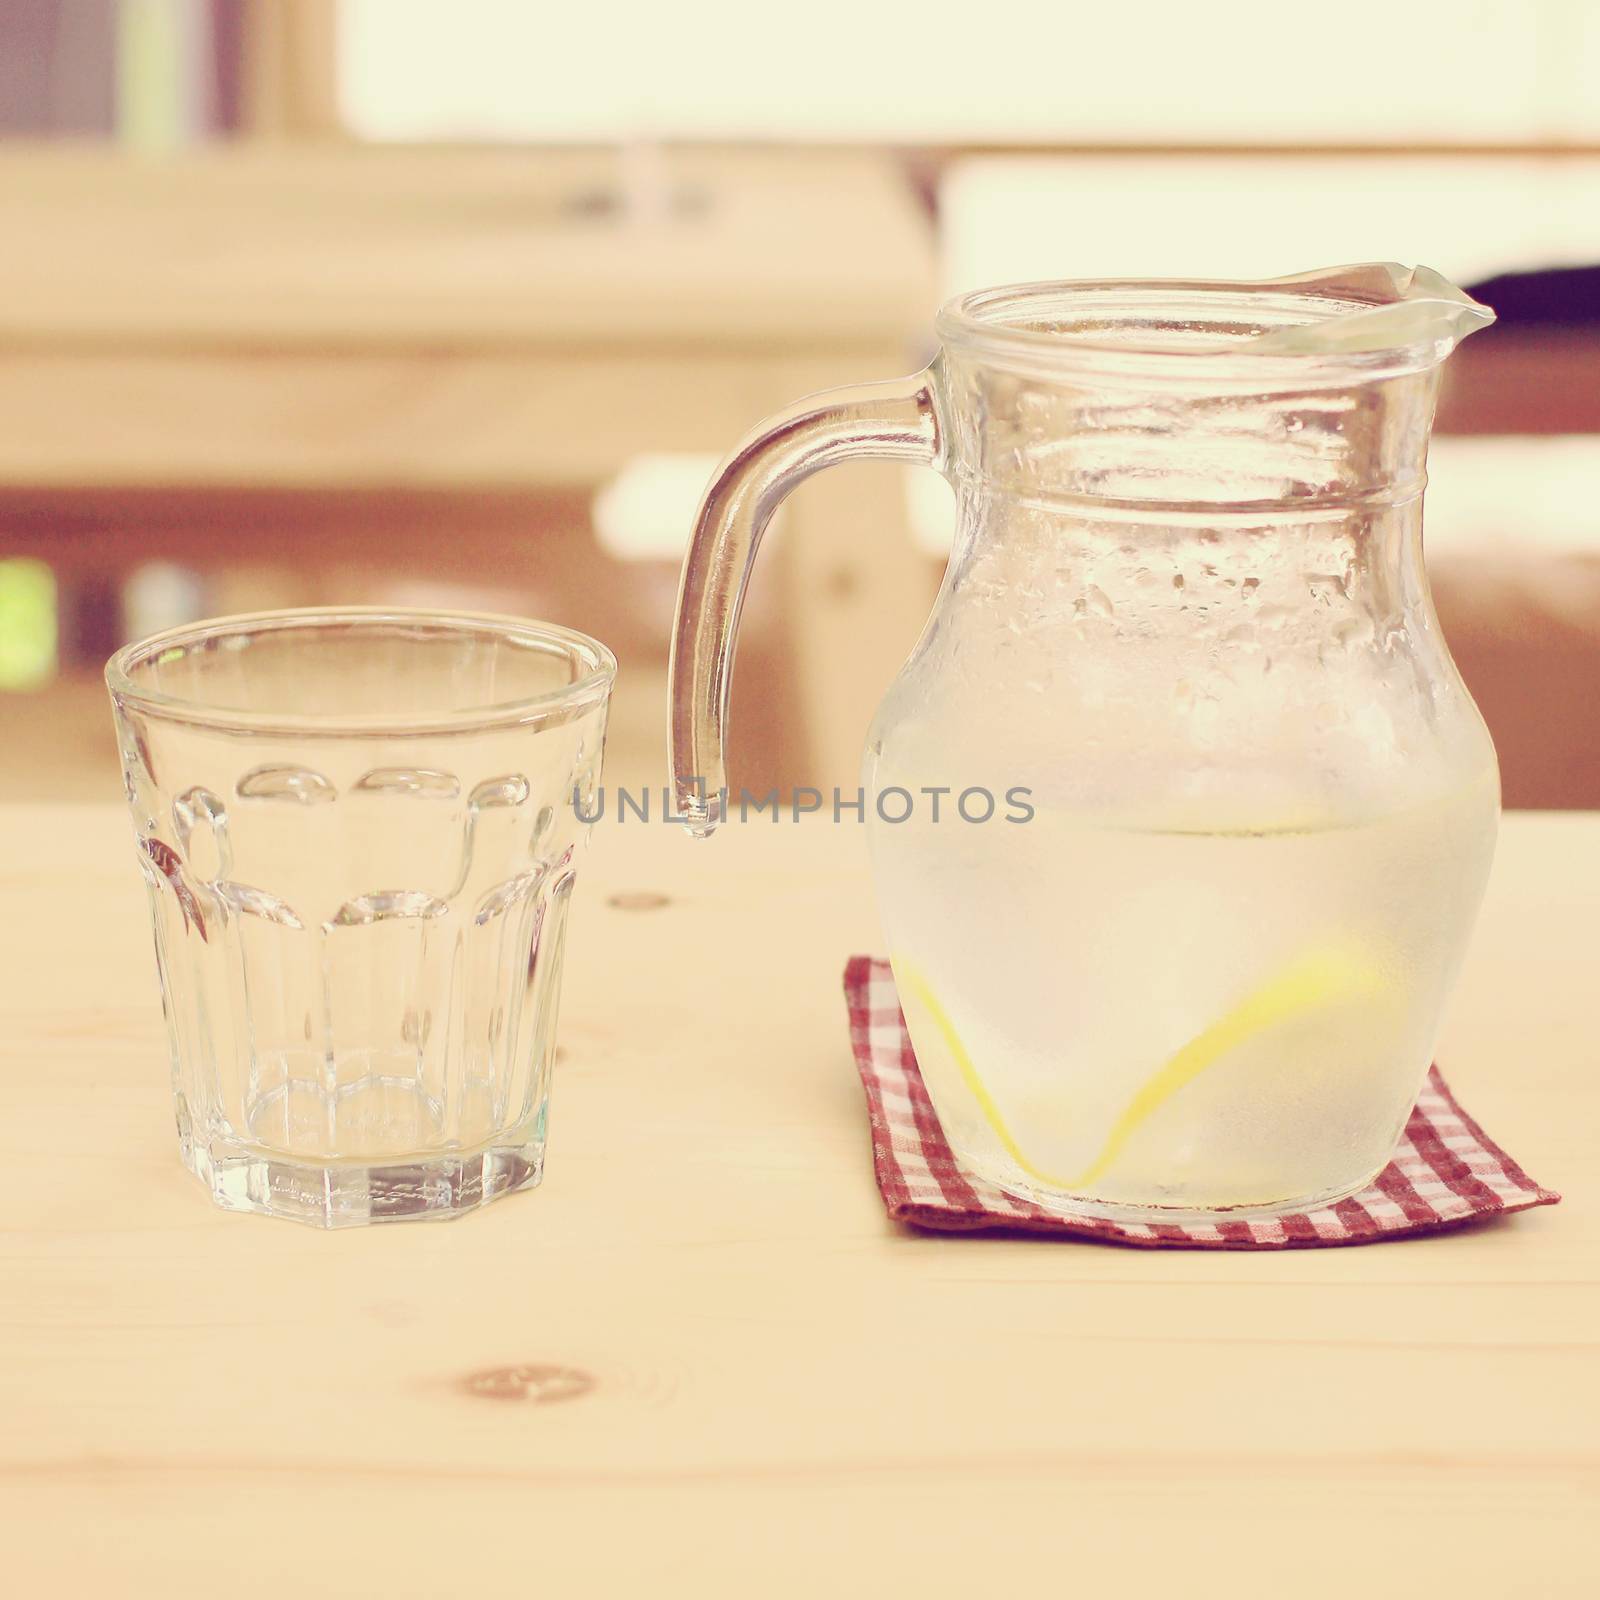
(699, 1361)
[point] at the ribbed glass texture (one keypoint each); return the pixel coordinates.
(358, 834)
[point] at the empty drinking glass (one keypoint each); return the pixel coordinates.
(358, 828)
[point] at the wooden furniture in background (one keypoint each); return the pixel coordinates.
(289, 61)
(308, 321)
(1523, 618)
(1514, 380)
(700, 1361)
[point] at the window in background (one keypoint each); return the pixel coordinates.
(1167, 72)
(1008, 220)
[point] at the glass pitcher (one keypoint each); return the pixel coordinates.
(1195, 962)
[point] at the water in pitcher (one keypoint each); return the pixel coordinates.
(1180, 1011)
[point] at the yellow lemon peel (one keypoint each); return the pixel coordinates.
(1318, 978)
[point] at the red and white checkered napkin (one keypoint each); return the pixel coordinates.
(1446, 1170)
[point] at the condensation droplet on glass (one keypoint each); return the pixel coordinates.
(388, 905)
(298, 785)
(200, 821)
(243, 900)
(425, 783)
(193, 807)
(503, 896)
(510, 790)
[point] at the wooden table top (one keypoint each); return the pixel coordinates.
(743, 1380)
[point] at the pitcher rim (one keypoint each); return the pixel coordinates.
(975, 322)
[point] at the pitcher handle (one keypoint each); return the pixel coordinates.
(896, 421)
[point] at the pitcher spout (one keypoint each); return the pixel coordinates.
(1401, 308)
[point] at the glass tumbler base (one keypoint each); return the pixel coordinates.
(350, 1194)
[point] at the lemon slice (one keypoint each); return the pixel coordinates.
(1320, 977)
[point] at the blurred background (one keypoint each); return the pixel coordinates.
(401, 301)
